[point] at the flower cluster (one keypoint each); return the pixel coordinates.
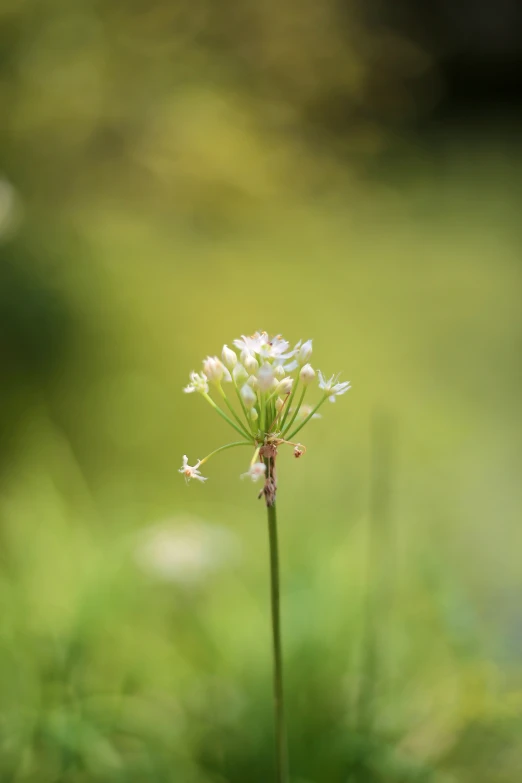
(269, 381)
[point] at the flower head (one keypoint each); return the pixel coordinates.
(191, 472)
(269, 379)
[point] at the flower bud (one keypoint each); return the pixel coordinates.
(284, 387)
(254, 415)
(253, 382)
(229, 357)
(279, 404)
(214, 369)
(305, 352)
(248, 395)
(279, 371)
(251, 363)
(265, 377)
(239, 374)
(307, 374)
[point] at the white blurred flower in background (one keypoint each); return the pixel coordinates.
(186, 550)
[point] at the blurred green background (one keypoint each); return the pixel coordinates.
(173, 175)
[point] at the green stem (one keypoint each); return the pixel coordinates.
(232, 411)
(247, 416)
(227, 446)
(294, 433)
(280, 729)
(289, 404)
(297, 409)
(262, 411)
(224, 416)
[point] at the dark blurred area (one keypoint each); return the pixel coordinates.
(173, 175)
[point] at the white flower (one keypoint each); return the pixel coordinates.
(191, 472)
(249, 396)
(265, 376)
(198, 383)
(229, 357)
(215, 370)
(251, 344)
(276, 348)
(305, 351)
(307, 374)
(186, 551)
(266, 347)
(285, 386)
(255, 471)
(332, 387)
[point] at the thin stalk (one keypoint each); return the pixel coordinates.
(290, 401)
(297, 409)
(222, 448)
(224, 416)
(280, 728)
(294, 433)
(262, 411)
(231, 409)
(247, 417)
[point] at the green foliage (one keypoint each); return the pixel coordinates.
(168, 196)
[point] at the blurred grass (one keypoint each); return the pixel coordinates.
(106, 676)
(170, 197)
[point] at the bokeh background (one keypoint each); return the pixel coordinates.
(174, 174)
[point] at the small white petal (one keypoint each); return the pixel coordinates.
(255, 472)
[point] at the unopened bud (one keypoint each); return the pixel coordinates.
(285, 386)
(248, 395)
(307, 374)
(239, 374)
(229, 357)
(305, 352)
(265, 377)
(251, 363)
(214, 369)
